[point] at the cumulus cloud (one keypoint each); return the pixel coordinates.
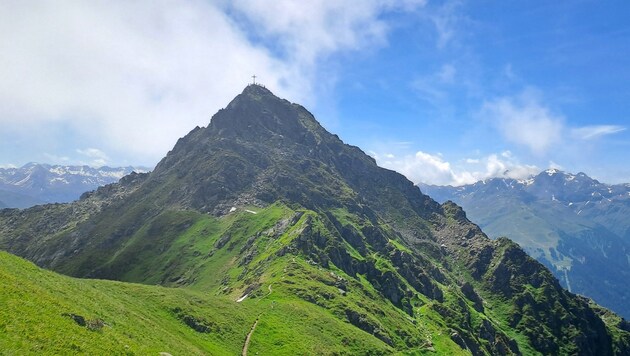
(134, 76)
(525, 121)
(423, 167)
(131, 75)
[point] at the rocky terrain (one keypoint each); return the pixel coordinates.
(575, 225)
(267, 209)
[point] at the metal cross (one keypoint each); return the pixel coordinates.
(254, 77)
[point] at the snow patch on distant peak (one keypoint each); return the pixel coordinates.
(113, 174)
(23, 181)
(552, 171)
(526, 182)
(59, 179)
(58, 170)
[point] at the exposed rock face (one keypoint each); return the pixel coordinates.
(341, 214)
(573, 224)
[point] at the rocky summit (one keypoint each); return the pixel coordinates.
(272, 236)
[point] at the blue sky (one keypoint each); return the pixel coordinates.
(445, 92)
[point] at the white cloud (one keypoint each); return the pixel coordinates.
(507, 167)
(310, 29)
(134, 76)
(423, 167)
(131, 74)
(595, 131)
(97, 158)
(525, 121)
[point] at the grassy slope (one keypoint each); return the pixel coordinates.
(143, 319)
(138, 319)
(299, 305)
(300, 308)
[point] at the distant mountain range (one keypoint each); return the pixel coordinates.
(36, 183)
(575, 225)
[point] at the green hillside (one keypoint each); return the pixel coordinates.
(46, 313)
(298, 305)
(43, 312)
(279, 239)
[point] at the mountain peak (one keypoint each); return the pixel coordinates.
(265, 148)
(257, 90)
(256, 95)
(258, 115)
(552, 171)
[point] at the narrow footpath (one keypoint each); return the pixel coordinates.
(251, 331)
(249, 337)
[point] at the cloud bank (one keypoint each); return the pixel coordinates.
(423, 167)
(132, 77)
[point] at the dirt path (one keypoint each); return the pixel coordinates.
(249, 337)
(251, 331)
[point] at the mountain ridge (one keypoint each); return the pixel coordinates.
(572, 223)
(36, 183)
(265, 206)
